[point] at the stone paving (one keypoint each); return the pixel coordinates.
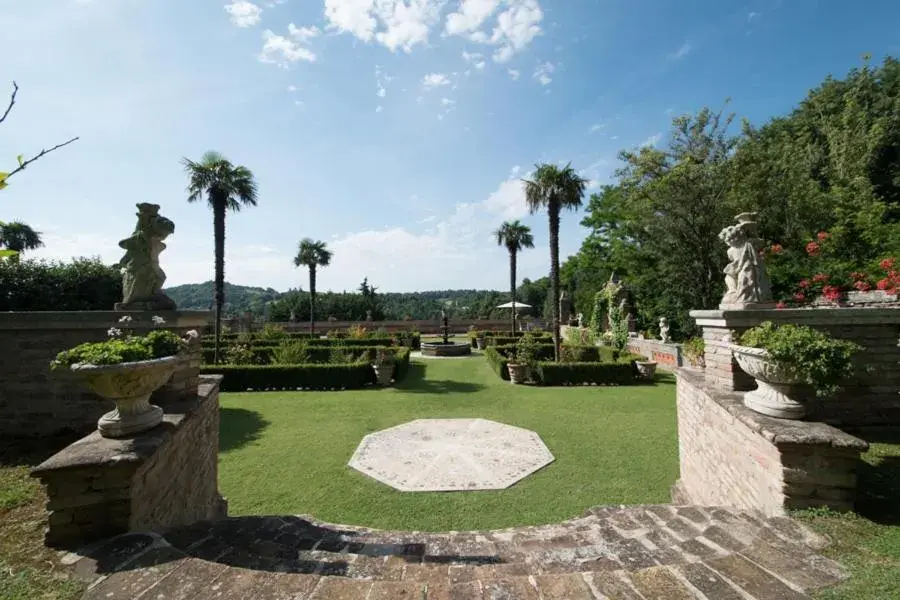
(442, 455)
(655, 552)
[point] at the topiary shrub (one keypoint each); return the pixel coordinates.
(580, 373)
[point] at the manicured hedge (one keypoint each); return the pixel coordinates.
(239, 378)
(606, 372)
(544, 351)
(577, 373)
(257, 378)
(320, 343)
(231, 337)
(317, 354)
(84, 284)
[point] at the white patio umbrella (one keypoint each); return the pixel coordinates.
(514, 305)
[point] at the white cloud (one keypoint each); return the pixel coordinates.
(378, 109)
(303, 34)
(597, 127)
(283, 51)
(652, 141)
(470, 16)
(447, 102)
(292, 88)
(752, 15)
(243, 13)
(682, 51)
(543, 72)
(512, 31)
(514, 172)
(513, 73)
(395, 24)
(381, 92)
(433, 80)
(479, 66)
(471, 56)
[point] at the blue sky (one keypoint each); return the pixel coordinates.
(395, 130)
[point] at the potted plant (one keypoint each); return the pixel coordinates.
(384, 366)
(779, 357)
(127, 369)
(521, 365)
(480, 340)
(646, 368)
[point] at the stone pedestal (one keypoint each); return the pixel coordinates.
(732, 456)
(870, 398)
(168, 476)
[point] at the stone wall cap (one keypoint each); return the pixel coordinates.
(804, 316)
(778, 431)
(94, 319)
(96, 451)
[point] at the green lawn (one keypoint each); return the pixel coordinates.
(287, 453)
(867, 542)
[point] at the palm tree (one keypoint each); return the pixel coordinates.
(18, 237)
(313, 255)
(554, 188)
(515, 236)
(226, 187)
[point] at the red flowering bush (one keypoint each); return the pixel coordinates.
(813, 249)
(820, 278)
(822, 236)
(887, 263)
(831, 293)
(776, 249)
(862, 286)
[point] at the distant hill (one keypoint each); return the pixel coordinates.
(238, 298)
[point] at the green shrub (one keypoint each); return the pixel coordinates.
(290, 352)
(271, 333)
(576, 353)
(544, 351)
(239, 378)
(694, 350)
(84, 284)
(497, 361)
(820, 360)
(527, 350)
(401, 365)
(578, 373)
(240, 354)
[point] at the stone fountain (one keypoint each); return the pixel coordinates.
(445, 347)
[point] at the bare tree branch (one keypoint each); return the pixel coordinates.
(44, 152)
(12, 102)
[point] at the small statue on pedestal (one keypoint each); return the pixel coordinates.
(664, 330)
(142, 277)
(747, 284)
(580, 319)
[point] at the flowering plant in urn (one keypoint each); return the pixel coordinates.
(127, 368)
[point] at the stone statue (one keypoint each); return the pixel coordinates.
(664, 330)
(293, 317)
(747, 284)
(369, 315)
(581, 319)
(142, 277)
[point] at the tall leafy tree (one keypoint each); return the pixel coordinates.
(313, 255)
(225, 187)
(554, 188)
(515, 236)
(18, 237)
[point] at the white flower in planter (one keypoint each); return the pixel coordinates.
(157, 320)
(114, 332)
(126, 319)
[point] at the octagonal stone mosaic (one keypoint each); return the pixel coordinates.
(442, 455)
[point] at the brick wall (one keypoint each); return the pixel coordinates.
(732, 456)
(870, 398)
(35, 401)
(165, 477)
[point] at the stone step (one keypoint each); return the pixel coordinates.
(629, 552)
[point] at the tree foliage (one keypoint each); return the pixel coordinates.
(828, 170)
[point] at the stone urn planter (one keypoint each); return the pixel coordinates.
(646, 368)
(384, 371)
(129, 385)
(518, 373)
(479, 342)
(774, 380)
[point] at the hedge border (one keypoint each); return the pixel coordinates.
(620, 372)
(242, 378)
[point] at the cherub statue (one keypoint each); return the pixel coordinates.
(746, 281)
(142, 277)
(664, 330)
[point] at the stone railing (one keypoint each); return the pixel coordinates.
(168, 476)
(666, 355)
(35, 401)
